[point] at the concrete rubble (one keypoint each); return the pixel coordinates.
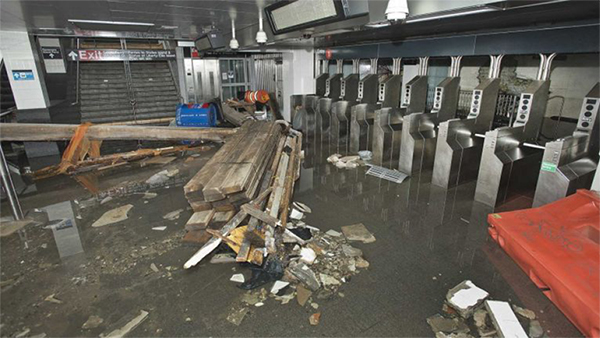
(466, 308)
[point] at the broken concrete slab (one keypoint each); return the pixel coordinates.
(351, 251)
(327, 280)
(465, 297)
(302, 295)
(130, 326)
(504, 319)
(439, 323)
(361, 263)
(92, 322)
(113, 216)
(307, 255)
(358, 232)
(333, 233)
(278, 285)
(238, 278)
(525, 313)
(305, 275)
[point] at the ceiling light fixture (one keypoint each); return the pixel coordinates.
(452, 15)
(261, 36)
(396, 10)
(233, 44)
(119, 23)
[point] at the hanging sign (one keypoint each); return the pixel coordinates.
(51, 53)
(23, 75)
(120, 55)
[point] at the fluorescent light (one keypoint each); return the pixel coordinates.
(451, 15)
(121, 23)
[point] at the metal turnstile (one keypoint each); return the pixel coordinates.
(419, 130)
(363, 114)
(341, 111)
(321, 80)
(388, 122)
(458, 149)
(414, 93)
(570, 163)
(510, 161)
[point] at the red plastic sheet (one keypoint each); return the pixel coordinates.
(557, 245)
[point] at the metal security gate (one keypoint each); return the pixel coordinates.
(234, 77)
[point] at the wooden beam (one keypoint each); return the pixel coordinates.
(60, 132)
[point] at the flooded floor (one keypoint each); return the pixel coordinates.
(428, 241)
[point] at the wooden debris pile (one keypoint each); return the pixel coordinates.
(251, 176)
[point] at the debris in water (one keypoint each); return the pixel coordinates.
(130, 326)
(153, 267)
(278, 285)
(160, 228)
(238, 278)
(465, 297)
(113, 216)
(504, 319)
(149, 195)
(314, 319)
(92, 322)
(237, 316)
(222, 258)
(173, 215)
(333, 233)
(297, 215)
(387, 174)
(535, 329)
(162, 177)
(307, 255)
(439, 323)
(302, 207)
(525, 313)
(106, 200)
(358, 232)
(51, 299)
(314, 306)
(302, 294)
(328, 280)
(259, 304)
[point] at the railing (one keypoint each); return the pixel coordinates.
(129, 81)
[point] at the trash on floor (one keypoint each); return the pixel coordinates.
(92, 322)
(128, 327)
(113, 216)
(387, 174)
(358, 232)
(345, 162)
(465, 297)
(173, 215)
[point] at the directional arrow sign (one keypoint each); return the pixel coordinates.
(73, 55)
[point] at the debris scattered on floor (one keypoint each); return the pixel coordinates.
(92, 322)
(466, 306)
(302, 295)
(222, 258)
(153, 267)
(302, 207)
(347, 162)
(314, 319)
(237, 316)
(173, 215)
(113, 216)
(160, 228)
(10, 227)
(238, 278)
(161, 177)
(358, 232)
(149, 195)
(53, 299)
(387, 174)
(278, 285)
(465, 297)
(128, 327)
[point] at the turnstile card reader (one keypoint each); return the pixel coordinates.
(349, 88)
(333, 86)
(570, 163)
(321, 84)
(414, 93)
(361, 127)
(368, 88)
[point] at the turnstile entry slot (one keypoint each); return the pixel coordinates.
(419, 130)
(458, 152)
(349, 85)
(570, 163)
(387, 132)
(333, 85)
(340, 126)
(508, 168)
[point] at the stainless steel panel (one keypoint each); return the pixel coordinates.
(387, 134)
(361, 127)
(368, 89)
(349, 88)
(321, 84)
(419, 132)
(333, 87)
(483, 104)
(340, 126)
(532, 109)
(507, 167)
(389, 92)
(445, 100)
(415, 95)
(323, 125)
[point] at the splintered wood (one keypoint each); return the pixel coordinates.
(251, 177)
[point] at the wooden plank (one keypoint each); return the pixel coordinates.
(213, 189)
(290, 178)
(200, 220)
(200, 206)
(64, 132)
(260, 215)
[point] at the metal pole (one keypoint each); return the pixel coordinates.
(9, 187)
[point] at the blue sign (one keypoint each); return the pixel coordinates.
(23, 75)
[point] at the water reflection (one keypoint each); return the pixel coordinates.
(64, 228)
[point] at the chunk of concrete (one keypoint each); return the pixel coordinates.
(465, 297)
(358, 232)
(504, 319)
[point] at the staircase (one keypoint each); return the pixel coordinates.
(106, 96)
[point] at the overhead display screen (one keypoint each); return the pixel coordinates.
(286, 16)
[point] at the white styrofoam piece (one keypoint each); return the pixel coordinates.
(238, 278)
(468, 297)
(278, 285)
(505, 319)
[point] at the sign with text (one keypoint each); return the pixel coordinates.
(23, 75)
(51, 53)
(120, 55)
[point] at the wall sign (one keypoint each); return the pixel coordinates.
(23, 75)
(51, 53)
(120, 55)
